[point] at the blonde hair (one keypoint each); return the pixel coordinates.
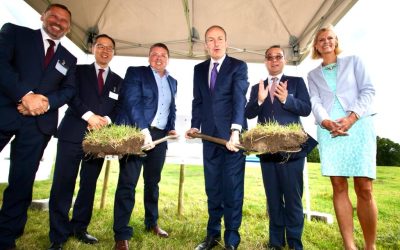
(315, 54)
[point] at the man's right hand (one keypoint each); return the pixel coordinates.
(33, 104)
(262, 92)
(191, 131)
(97, 122)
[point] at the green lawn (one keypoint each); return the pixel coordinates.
(189, 229)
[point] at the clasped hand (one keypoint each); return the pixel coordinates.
(96, 122)
(33, 104)
(339, 127)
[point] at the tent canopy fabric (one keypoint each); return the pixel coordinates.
(251, 26)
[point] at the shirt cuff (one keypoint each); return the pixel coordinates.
(236, 126)
(87, 115)
(108, 119)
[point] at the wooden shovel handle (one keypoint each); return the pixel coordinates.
(165, 138)
(213, 139)
(208, 138)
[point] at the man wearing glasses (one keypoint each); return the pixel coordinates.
(282, 99)
(93, 107)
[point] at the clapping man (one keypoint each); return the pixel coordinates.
(282, 99)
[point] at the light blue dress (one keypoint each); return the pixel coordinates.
(352, 155)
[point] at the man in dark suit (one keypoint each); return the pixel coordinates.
(32, 90)
(282, 99)
(148, 103)
(219, 98)
(93, 107)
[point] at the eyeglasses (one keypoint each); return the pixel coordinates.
(106, 48)
(273, 58)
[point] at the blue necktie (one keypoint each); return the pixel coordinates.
(213, 76)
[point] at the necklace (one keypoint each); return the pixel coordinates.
(330, 66)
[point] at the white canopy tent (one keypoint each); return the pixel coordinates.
(252, 25)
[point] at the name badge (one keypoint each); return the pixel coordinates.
(113, 95)
(61, 67)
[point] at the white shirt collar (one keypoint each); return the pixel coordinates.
(45, 36)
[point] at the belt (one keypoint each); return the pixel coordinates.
(155, 128)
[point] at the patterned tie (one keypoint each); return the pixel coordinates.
(100, 81)
(49, 53)
(273, 87)
(213, 76)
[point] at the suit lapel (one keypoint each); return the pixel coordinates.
(39, 47)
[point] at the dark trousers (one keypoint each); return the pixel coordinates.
(283, 183)
(152, 167)
(27, 149)
(224, 183)
(69, 157)
(129, 172)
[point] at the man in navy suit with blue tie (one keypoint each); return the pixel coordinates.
(282, 99)
(148, 103)
(219, 99)
(32, 90)
(93, 107)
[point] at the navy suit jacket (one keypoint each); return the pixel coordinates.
(297, 104)
(139, 99)
(22, 70)
(215, 113)
(87, 98)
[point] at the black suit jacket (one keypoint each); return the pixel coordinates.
(87, 98)
(22, 70)
(297, 104)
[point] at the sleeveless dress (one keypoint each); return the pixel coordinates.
(352, 155)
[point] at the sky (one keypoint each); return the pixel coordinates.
(367, 30)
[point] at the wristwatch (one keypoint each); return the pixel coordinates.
(235, 129)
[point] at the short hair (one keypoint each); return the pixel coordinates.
(57, 5)
(315, 53)
(276, 46)
(160, 45)
(212, 27)
(105, 36)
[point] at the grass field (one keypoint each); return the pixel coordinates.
(189, 229)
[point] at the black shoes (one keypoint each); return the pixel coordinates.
(208, 243)
(55, 246)
(85, 237)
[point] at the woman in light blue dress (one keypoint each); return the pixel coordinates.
(341, 96)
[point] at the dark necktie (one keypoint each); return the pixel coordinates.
(100, 81)
(49, 53)
(213, 76)
(273, 87)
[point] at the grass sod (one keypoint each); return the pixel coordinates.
(188, 230)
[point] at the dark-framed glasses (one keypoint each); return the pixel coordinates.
(273, 58)
(104, 47)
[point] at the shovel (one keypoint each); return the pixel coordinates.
(165, 138)
(223, 142)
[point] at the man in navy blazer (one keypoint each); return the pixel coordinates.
(92, 107)
(30, 96)
(282, 173)
(218, 110)
(148, 103)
